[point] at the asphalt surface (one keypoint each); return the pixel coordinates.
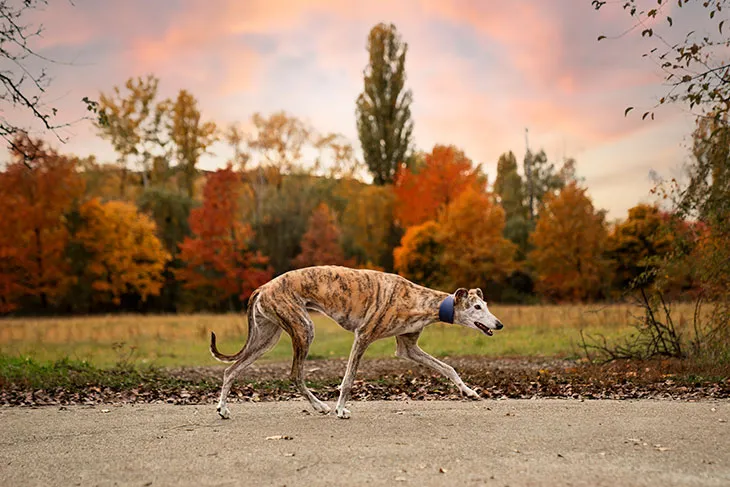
(507, 442)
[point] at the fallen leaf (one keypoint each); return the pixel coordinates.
(400, 479)
(104, 410)
(722, 420)
(442, 470)
(280, 437)
(663, 448)
(288, 454)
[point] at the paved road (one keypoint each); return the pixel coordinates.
(510, 442)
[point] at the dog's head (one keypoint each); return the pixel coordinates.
(471, 310)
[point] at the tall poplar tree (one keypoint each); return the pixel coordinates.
(384, 122)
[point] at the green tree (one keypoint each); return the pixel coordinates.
(510, 191)
(541, 179)
(384, 122)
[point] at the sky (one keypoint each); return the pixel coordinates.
(481, 73)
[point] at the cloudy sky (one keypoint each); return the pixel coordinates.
(481, 72)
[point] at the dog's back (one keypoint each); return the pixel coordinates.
(351, 297)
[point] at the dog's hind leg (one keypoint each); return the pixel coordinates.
(302, 334)
(263, 335)
(407, 347)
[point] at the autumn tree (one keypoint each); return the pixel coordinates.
(418, 258)
(445, 174)
(133, 123)
(384, 122)
(474, 247)
(37, 189)
(569, 242)
(279, 140)
(321, 244)
(638, 245)
(219, 265)
(366, 221)
(123, 254)
(190, 136)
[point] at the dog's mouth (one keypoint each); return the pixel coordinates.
(486, 330)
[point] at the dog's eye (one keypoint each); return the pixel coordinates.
(477, 306)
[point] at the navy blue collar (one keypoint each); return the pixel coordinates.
(446, 309)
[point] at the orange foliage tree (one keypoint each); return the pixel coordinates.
(569, 241)
(475, 251)
(443, 176)
(218, 264)
(419, 256)
(123, 251)
(321, 242)
(638, 244)
(37, 189)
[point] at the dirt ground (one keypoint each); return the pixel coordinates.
(491, 442)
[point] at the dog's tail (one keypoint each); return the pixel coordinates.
(232, 358)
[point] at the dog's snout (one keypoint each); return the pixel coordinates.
(499, 325)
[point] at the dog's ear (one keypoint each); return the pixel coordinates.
(460, 294)
(479, 293)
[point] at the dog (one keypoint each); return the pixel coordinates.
(371, 304)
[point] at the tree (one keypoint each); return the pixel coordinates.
(23, 76)
(133, 123)
(219, 265)
(37, 189)
(541, 180)
(694, 65)
(637, 246)
(191, 137)
(279, 139)
(475, 250)
(384, 122)
(123, 253)
(321, 244)
(510, 191)
(367, 220)
(419, 256)
(445, 174)
(569, 242)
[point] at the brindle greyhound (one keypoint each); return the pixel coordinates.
(370, 304)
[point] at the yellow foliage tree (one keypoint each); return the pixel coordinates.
(419, 256)
(125, 255)
(475, 251)
(569, 240)
(366, 220)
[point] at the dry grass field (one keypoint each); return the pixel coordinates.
(182, 340)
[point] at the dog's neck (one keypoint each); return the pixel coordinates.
(428, 309)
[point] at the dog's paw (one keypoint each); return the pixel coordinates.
(343, 413)
(223, 412)
(321, 408)
(471, 394)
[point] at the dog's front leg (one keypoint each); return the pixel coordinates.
(358, 348)
(408, 348)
